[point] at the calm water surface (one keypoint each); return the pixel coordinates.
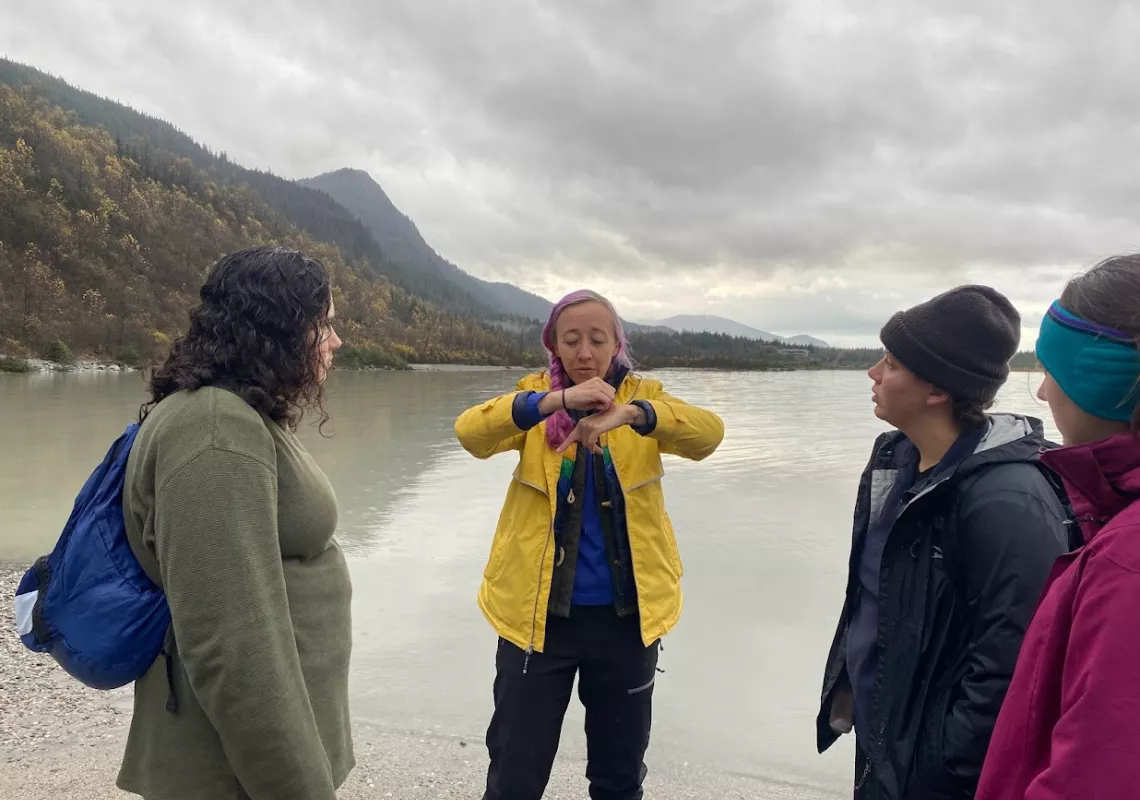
(763, 526)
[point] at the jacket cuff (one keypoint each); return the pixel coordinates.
(650, 418)
(524, 410)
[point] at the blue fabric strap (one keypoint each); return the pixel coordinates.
(1097, 367)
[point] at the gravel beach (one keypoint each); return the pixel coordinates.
(61, 741)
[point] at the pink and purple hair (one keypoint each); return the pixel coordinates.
(559, 425)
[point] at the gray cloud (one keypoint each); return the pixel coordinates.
(820, 167)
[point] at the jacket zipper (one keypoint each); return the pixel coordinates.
(546, 549)
(625, 511)
(879, 747)
(542, 563)
(613, 561)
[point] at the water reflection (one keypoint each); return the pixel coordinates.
(763, 527)
(387, 431)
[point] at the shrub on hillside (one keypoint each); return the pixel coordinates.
(14, 365)
(59, 352)
(368, 358)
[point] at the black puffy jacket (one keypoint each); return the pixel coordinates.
(960, 577)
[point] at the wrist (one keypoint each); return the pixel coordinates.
(551, 403)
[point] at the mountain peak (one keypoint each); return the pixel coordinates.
(711, 323)
(346, 179)
(402, 242)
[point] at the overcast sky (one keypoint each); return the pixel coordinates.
(817, 164)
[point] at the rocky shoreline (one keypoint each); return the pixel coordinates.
(80, 365)
(62, 741)
(41, 707)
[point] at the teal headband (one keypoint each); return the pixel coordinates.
(1097, 367)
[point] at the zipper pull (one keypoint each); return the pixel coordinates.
(526, 661)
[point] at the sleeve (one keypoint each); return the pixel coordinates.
(1096, 742)
(492, 427)
(650, 418)
(220, 562)
(1008, 541)
(525, 410)
(683, 430)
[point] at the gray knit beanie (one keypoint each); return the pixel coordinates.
(960, 341)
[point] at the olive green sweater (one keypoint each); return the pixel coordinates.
(230, 515)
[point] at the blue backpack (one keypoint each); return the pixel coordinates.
(89, 603)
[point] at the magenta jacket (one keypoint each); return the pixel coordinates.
(1070, 724)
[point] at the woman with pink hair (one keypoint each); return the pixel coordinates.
(584, 576)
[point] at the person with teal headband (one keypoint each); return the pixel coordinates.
(1094, 365)
(1068, 727)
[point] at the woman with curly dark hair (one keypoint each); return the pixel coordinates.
(230, 515)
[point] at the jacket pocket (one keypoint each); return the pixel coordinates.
(498, 552)
(647, 503)
(932, 778)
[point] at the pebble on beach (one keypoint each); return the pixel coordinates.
(41, 706)
(62, 741)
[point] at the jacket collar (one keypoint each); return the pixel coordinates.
(1005, 438)
(1102, 478)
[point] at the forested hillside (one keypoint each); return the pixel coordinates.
(156, 143)
(656, 349)
(103, 248)
(109, 220)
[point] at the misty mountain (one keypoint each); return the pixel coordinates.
(401, 241)
(713, 324)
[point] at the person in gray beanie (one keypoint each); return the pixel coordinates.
(957, 526)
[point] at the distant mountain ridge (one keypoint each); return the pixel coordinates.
(405, 300)
(401, 241)
(711, 323)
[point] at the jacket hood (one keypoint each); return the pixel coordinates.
(1008, 439)
(1102, 478)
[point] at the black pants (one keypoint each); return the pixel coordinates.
(616, 674)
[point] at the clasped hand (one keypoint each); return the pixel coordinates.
(598, 396)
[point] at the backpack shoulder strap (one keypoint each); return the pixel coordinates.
(1072, 526)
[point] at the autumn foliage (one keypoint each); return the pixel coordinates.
(105, 240)
(103, 249)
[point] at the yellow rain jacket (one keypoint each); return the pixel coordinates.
(516, 581)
